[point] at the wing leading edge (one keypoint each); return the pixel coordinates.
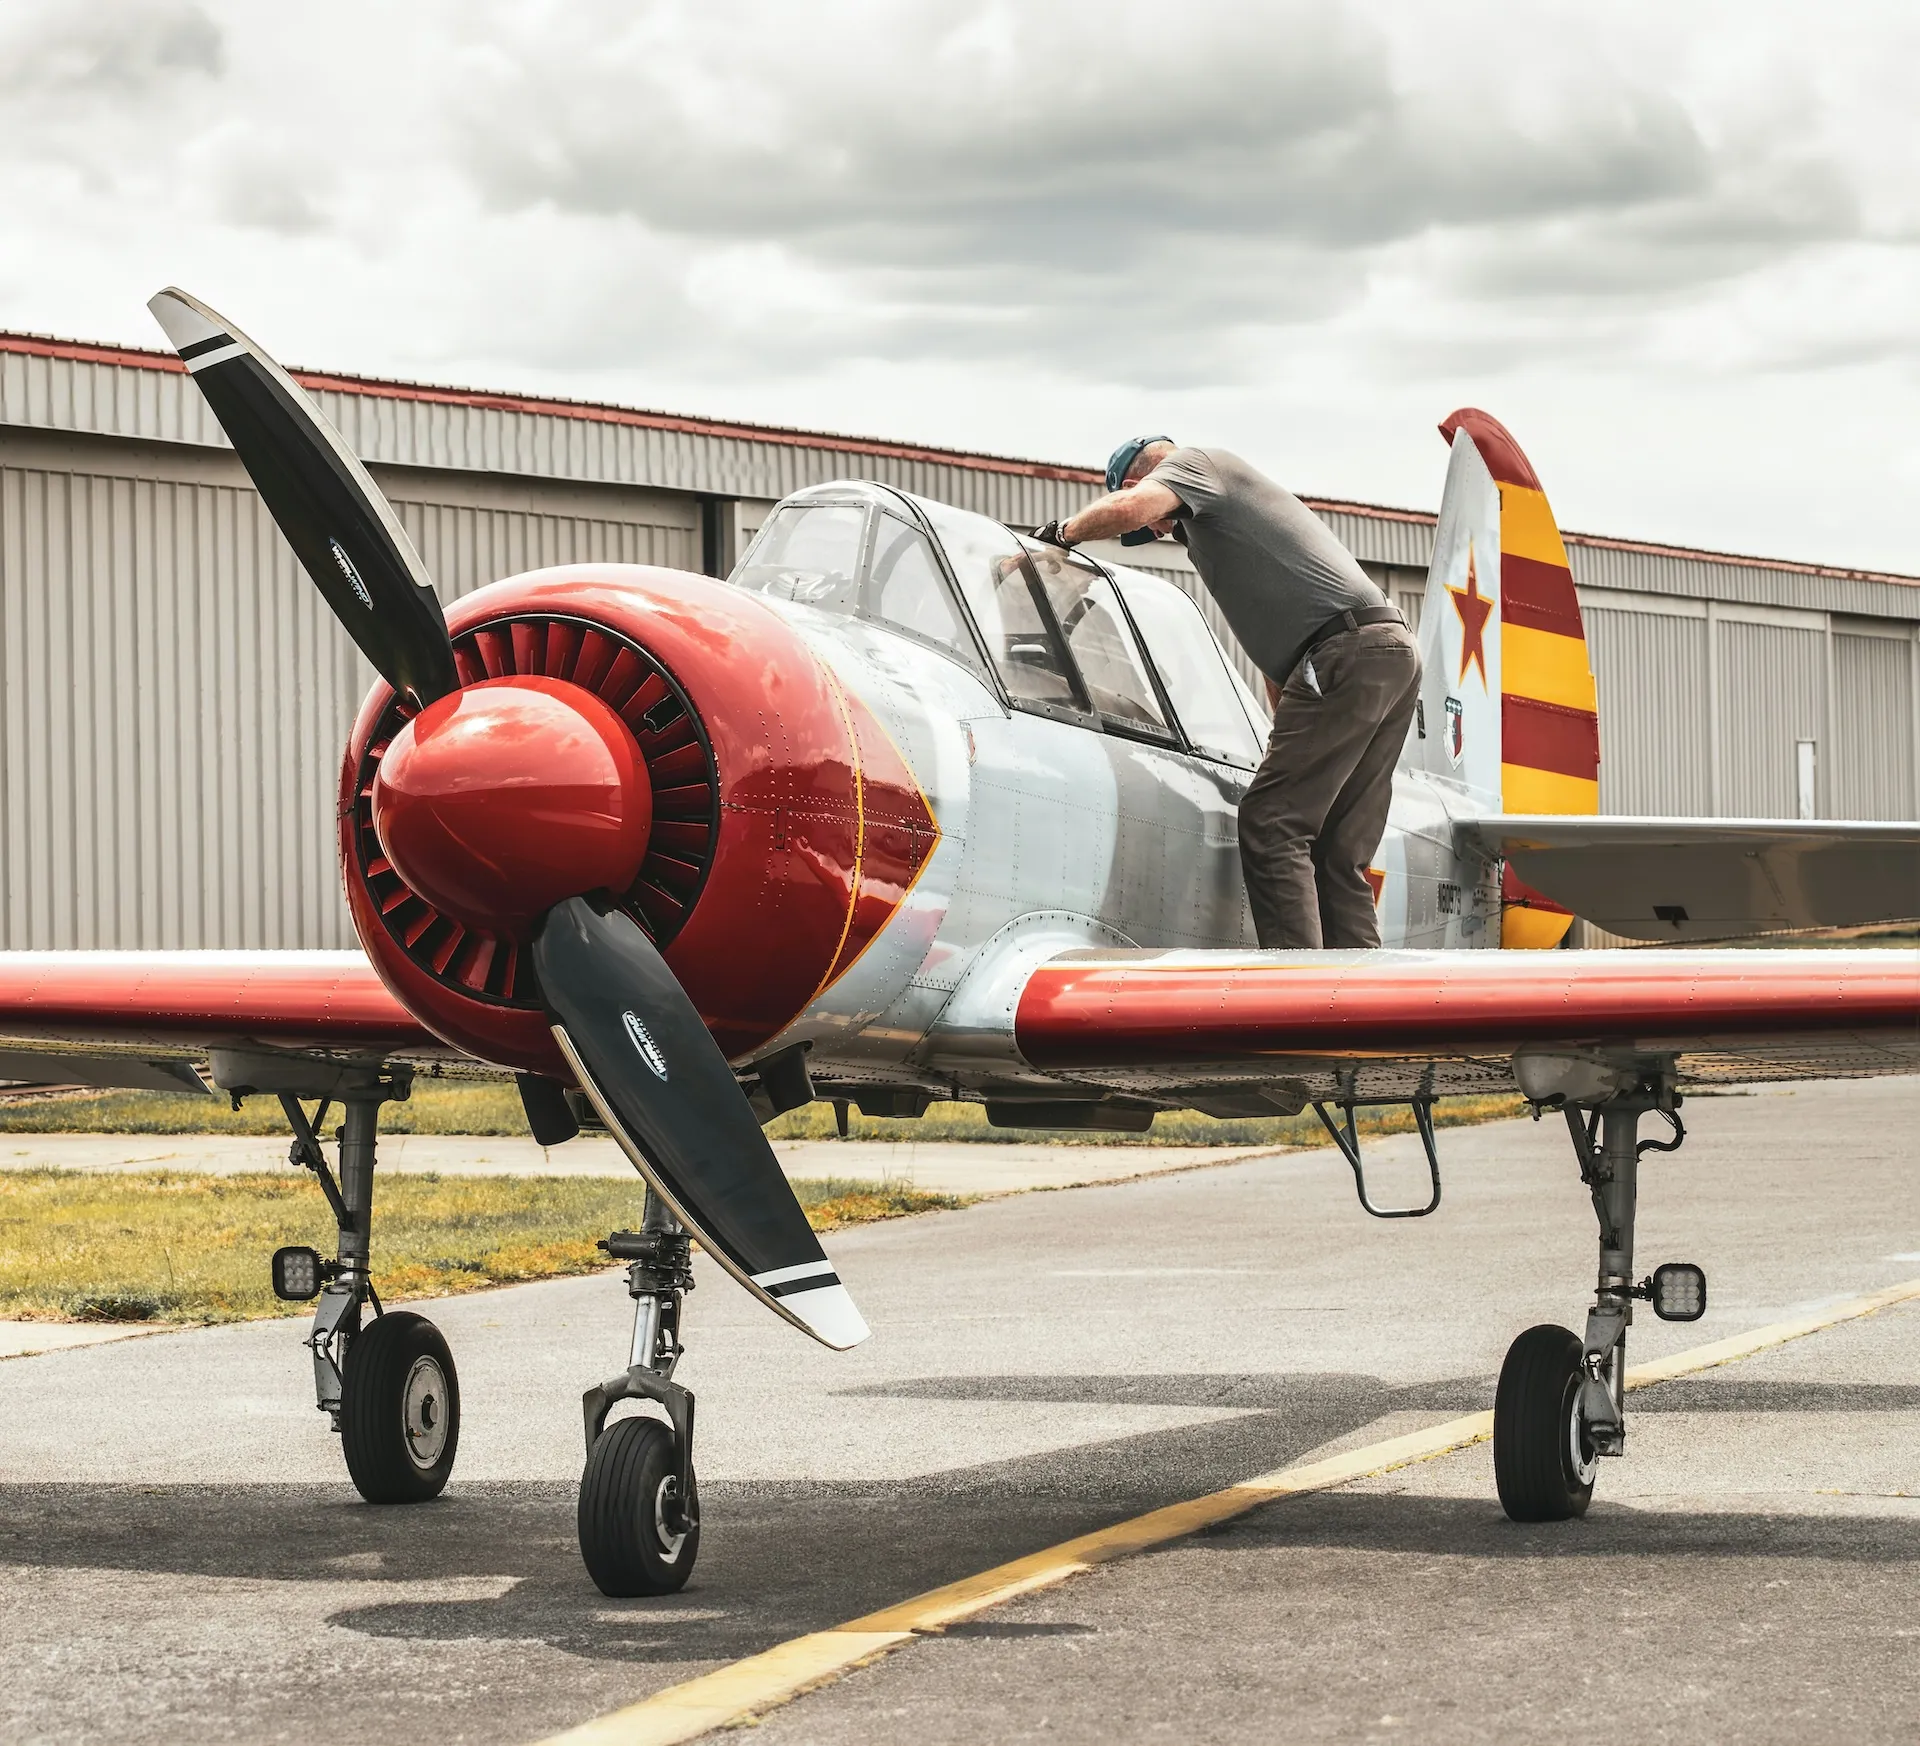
(1388, 1023)
(175, 1006)
(1709, 879)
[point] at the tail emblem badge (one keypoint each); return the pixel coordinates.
(642, 1040)
(352, 575)
(1455, 734)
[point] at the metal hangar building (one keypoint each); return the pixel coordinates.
(173, 701)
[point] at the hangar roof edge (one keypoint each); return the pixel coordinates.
(782, 436)
(555, 406)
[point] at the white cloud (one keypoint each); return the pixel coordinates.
(1663, 245)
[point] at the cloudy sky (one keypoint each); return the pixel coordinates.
(1676, 249)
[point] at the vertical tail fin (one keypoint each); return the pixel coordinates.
(1511, 713)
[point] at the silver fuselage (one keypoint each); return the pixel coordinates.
(1057, 836)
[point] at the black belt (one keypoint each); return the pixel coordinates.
(1347, 621)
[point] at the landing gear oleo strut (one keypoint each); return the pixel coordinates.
(1560, 1405)
(389, 1387)
(639, 1515)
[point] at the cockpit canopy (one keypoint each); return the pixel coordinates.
(1055, 633)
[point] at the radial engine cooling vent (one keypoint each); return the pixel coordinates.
(686, 798)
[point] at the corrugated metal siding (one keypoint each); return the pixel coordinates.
(69, 394)
(1701, 578)
(176, 697)
(465, 548)
(176, 700)
(1382, 539)
(66, 394)
(1773, 686)
(1651, 673)
(1873, 709)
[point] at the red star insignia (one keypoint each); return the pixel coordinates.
(1474, 610)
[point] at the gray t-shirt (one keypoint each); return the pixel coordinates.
(1272, 564)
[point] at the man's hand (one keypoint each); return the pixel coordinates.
(1053, 533)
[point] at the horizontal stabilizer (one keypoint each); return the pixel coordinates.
(1709, 878)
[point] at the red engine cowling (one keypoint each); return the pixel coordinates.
(785, 825)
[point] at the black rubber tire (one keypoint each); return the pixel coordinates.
(390, 1463)
(1534, 1429)
(621, 1537)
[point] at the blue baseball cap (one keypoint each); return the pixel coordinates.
(1125, 455)
(1117, 464)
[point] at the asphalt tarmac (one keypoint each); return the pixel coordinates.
(182, 1558)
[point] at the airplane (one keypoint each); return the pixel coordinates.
(915, 807)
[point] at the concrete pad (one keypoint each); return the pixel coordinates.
(946, 1167)
(24, 1339)
(183, 1559)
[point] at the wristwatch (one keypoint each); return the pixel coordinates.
(1050, 534)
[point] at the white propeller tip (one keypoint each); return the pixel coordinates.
(184, 322)
(829, 1314)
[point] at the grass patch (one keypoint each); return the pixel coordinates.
(169, 1246)
(968, 1122)
(436, 1107)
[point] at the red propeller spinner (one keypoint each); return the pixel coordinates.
(497, 801)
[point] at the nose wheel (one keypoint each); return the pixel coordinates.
(1543, 1453)
(639, 1514)
(637, 1534)
(400, 1410)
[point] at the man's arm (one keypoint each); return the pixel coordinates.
(1122, 511)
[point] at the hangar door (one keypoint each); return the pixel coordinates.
(1773, 698)
(1651, 672)
(1873, 726)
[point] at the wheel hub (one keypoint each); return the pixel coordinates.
(670, 1543)
(1582, 1460)
(425, 1411)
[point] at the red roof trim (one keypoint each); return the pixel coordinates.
(135, 357)
(139, 358)
(1646, 548)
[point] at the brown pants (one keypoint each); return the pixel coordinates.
(1317, 810)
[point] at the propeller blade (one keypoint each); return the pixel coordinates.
(666, 1093)
(340, 526)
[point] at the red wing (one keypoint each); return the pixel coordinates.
(176, 1005)
(1390, 1023)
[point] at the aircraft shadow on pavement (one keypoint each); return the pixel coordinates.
(785, 1557)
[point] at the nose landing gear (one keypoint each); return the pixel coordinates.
(639, 1512)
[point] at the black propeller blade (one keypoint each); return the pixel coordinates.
(667, 1095)
(333, 515)
(625, 1025)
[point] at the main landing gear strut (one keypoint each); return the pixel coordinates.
(389, 1386)
(639, 1516)
(1560, 1405)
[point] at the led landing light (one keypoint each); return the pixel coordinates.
(1678, 1292)
(299, 1273)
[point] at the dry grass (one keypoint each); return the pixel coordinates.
(173, 1247)
(446, 1107)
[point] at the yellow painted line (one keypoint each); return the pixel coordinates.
(743, 1689)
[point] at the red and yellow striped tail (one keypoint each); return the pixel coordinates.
(1549, 712)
